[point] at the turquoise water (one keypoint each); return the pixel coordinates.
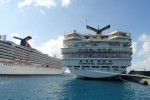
(66, 87)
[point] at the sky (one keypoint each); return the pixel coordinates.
(48, 20)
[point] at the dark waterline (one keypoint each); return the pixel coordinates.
(66, 87)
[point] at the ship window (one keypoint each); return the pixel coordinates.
(105, 66)
(76, 66)
(95, 66)
(80, 50)
(86, 66)
(69, 66)
(115, 69)
(99, 61)
(108, 69)
(80, 60)
(123, 66)
(115, 66)
(90, 56)
(110, 60)
(103, 60)
(86, 60)
(95, 44)
(91, 60)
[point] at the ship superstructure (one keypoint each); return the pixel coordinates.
(99, 55)
(22, 59)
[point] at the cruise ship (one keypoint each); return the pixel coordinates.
(23, 59)
(97, 55)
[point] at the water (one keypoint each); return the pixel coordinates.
(66, 87)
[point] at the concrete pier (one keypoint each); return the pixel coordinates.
(145, 80)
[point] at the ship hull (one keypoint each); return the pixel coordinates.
(28, 70)
(97, 74)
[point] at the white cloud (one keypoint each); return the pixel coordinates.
(65, 3)
(141, 49)
(52, 47)
(142, 46)
(44, 3)
(145, 51)
(141, 65)
(24, 3)
(134, 48)
(144, 38)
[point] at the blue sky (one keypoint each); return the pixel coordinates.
(47, 21)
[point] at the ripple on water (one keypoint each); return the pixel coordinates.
(65, 87)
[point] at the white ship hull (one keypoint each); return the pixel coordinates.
(25, 70)
(95, 73)
(78, 69)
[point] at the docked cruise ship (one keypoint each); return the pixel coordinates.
(23, 59)
(99, 55)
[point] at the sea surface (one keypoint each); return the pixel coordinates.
(66, 87)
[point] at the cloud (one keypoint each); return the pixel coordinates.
(141, 49)
(52, 47)
(141, 65)
(65, 3)
(144, 38)
(145, 51)
(144, 45)
(134, 48)
(37, 3)
(24, 3)
(44, 3)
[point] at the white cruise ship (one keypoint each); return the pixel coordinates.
(99, 55)
(22, 59)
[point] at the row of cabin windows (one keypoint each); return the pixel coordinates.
(97, 61)
(16, 64)
(90, 69)
(115, 67)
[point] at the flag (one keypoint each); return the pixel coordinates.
(86, 19)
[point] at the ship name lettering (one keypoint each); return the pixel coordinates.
(86, 64)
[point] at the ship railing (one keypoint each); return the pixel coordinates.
(72, 37)
(116, 36)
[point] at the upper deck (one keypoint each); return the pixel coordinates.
(114, 36)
